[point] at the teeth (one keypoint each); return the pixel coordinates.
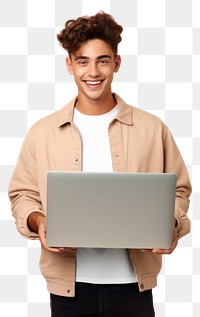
(93, 82)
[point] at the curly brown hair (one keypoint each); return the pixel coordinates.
(100, 26)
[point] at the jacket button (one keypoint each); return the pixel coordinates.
(68, 291)
(142, 286)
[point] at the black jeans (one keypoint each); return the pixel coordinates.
(110, 300)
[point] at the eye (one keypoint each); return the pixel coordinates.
(103, 61)
(82, 62)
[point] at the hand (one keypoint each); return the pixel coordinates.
(37, 221)
(173, 247)
(166, 251)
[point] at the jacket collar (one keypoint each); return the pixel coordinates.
(124, 114)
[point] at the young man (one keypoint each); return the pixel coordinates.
(96, 131)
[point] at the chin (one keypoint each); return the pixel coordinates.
(94, 97)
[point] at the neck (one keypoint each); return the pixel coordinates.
(95, 107)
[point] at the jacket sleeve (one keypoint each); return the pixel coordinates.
(173, 163)
(23, 189)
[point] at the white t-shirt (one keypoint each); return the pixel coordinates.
(101, 266)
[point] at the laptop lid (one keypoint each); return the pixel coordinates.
(110, 210)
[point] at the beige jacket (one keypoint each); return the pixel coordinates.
(139, 142)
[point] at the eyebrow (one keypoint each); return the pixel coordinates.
(87, 57)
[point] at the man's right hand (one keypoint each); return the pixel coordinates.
(37, 224)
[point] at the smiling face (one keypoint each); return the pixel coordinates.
(93, 67)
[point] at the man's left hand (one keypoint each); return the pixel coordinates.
(166, 251)
(173, 247)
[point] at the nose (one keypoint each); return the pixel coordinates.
(94, 70)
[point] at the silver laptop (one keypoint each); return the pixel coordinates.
(110, 210)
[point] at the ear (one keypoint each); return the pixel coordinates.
(117, 63)
(69, 65)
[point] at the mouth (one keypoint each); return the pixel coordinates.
(93, 83)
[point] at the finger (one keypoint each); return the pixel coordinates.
(60, 250)
(42, 237)
(164, 251)
(161, 251)
(158, 251)
(50, 249)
